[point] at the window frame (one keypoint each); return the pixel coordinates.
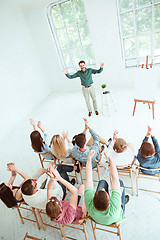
(137, 59)
(54, 31)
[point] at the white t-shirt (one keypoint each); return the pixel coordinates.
(69, 147)
(39, 199)
(123, 158)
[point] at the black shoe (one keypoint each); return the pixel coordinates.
(126, 199)
(73, 181)
(102, 148)
(77, 170)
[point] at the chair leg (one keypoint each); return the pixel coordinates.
(84, 229)
(33, 210)
(93, 228)
(76, 177)
(25, 236)
(131, 181)
(40, 217)
(20, 215)
(62, 231)
(153, 109)
(137, 181)
(134, 107)
(119, 232)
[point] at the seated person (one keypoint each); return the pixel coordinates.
(80, 150)
(102, 208)
(120, 151)
(38, 144)
(62, 147)
(65, 212)
(149, 155)
(35, 192)
(9, 194)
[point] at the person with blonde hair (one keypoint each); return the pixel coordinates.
(65, 212)
(61, 146)
(120, 151)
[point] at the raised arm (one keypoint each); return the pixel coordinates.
(40, 126)
(74, 192)
(113, 173)
(65, 136)
(13, 175)
(89, 179)
(32, 122)
(11, 167)
(75, 75)
(99, 70)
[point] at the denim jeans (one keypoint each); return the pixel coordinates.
(104, 184)
(63, 169)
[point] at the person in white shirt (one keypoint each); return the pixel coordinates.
(120, 151)
(34, 190)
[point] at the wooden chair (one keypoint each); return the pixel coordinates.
(125, 170)
(31, 237)
(25, 206)
(99, 164)
(115, 228)
(81, 226)
(42, 158)
(139, 174)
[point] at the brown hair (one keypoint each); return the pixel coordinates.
(53, 208)
(27, 187)
(37, 141)
(58, 146)
(6, 195)
(80, 140)
(81, 62)
(101, 200)
(120, 145)
(147, 149)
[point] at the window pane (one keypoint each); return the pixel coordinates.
(89, 57)
(67, 58)
(79, 10)
(157, 60)
(130, 48)
(144, 45)
(127, 23)
(156, 1)
(143, 17)
(62, 38)
(56, 17)
(157, 17)
(84, 33)
(67, 13)
(157, 44)
(77, 55)
(142, 2)
(125, 5)
(73, 36)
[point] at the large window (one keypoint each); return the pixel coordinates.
(140, 31)
(69, 26)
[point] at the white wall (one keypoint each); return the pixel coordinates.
(22, 78)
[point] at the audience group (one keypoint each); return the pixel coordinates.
(47, 188)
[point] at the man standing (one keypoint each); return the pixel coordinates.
(85, 75)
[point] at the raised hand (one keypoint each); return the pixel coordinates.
(102, 65)
(39, 124)
(32, 122)
(11, 167)
(64, 71)
(115, 135)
